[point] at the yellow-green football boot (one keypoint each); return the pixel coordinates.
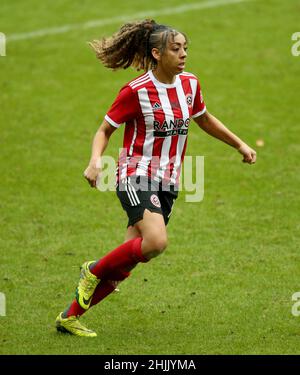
(73, 326)
(86, 286)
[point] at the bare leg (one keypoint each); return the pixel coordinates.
(154, 233)
(132, 232)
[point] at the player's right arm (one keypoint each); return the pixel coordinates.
(99, 145)
(124, 108)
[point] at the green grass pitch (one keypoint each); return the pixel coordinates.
(225, 283)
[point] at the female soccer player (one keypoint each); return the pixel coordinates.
(156, 107)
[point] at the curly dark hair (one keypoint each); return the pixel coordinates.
(132, 45)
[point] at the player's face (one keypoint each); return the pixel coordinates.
(174, 57)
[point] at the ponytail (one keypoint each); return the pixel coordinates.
(132, 45)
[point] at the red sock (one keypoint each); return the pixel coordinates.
(126, 255)
(74, 309)
(104, 288)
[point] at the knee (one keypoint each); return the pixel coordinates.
(153, 247)
(159, 245)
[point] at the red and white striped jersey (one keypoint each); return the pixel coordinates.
(157, 118)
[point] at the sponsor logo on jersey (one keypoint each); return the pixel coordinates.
(171, 128)
(155, 200)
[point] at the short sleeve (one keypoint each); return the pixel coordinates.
(124, 108)
(199, 106)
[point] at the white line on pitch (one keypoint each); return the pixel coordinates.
(119, 19)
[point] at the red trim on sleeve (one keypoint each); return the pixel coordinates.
(125, 107)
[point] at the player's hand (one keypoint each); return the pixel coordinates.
(248, 153)
(91, 174)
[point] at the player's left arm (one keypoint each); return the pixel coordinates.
(214, 127)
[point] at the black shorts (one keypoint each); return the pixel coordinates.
(137, 193)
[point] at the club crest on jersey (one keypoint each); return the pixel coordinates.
(189, 100)
(155, 200)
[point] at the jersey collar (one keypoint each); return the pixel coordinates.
(161, 84)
